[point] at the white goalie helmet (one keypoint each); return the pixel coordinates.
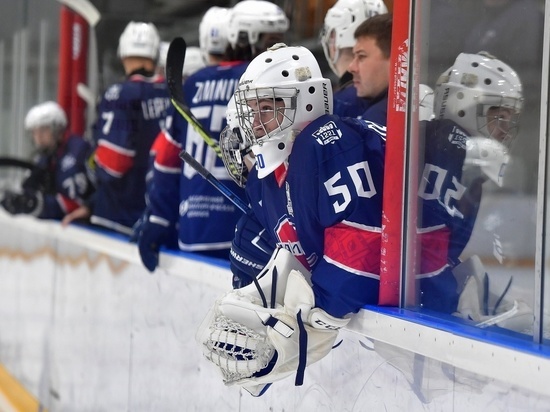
(139, 39)
(340, 23)
(47, 114)
(281, 91)
(213, 30)
(475, 86)
(251, 18)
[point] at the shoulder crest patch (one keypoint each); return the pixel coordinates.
(328, 133)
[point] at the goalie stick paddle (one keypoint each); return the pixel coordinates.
(236, 200)
(174, 66)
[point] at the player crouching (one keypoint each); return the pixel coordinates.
(315, 190)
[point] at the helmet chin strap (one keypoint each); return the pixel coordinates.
(273, 152)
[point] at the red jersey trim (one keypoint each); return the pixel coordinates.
(115, 160)
(355, 248)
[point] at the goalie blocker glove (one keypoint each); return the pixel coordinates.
(29, 202)
(268, 330)
(251, 249)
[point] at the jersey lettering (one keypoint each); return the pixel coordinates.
(213, 90)
(363, 185)
(196, 146)
(432, 188)
(154, 108)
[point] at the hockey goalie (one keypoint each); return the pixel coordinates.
(315, 191)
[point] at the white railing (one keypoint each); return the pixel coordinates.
(83, 326)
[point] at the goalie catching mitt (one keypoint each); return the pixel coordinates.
(269, 329)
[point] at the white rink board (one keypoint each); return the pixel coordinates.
(84, 327)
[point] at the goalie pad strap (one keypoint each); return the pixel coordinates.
(276, 324)
(302, 355)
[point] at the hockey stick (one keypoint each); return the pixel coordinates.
(174, 79)
(17, 163)
(236, 200)
(86, 94)
(84, 8)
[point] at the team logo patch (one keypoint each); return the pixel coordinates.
(458, 137)
(327, 133)
(68, 162)
(288, 238)
(113, 92)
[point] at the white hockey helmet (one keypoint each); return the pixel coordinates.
(250, 18)
(425, 102)
(139, 39)
(340, 23)
(290, 75)
(474, 84)
(193, 61)
(47, 114)
(213, 31)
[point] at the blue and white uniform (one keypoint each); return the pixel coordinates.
(326, 208)
(130, 116)
(179, 196)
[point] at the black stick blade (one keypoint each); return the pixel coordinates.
(174, 67)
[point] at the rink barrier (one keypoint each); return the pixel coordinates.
(86, 262)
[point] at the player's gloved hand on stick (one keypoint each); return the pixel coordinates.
(29, 202)
(155, 232)
(251, 249)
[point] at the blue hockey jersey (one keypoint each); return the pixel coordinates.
(328, 209)
(130, 116)
(347, 103)
(179, 195)
(378, 109)
(446, 221)
(61, 178)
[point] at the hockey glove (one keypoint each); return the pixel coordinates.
(138, 226)
(251, 249)
(155, 232)
(29, 202)
(265, 332)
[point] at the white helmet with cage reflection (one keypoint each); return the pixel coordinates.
(340, 23)
(281, 91)
(482, 95)
(139, 39)
(213, 31)
(250, 18)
